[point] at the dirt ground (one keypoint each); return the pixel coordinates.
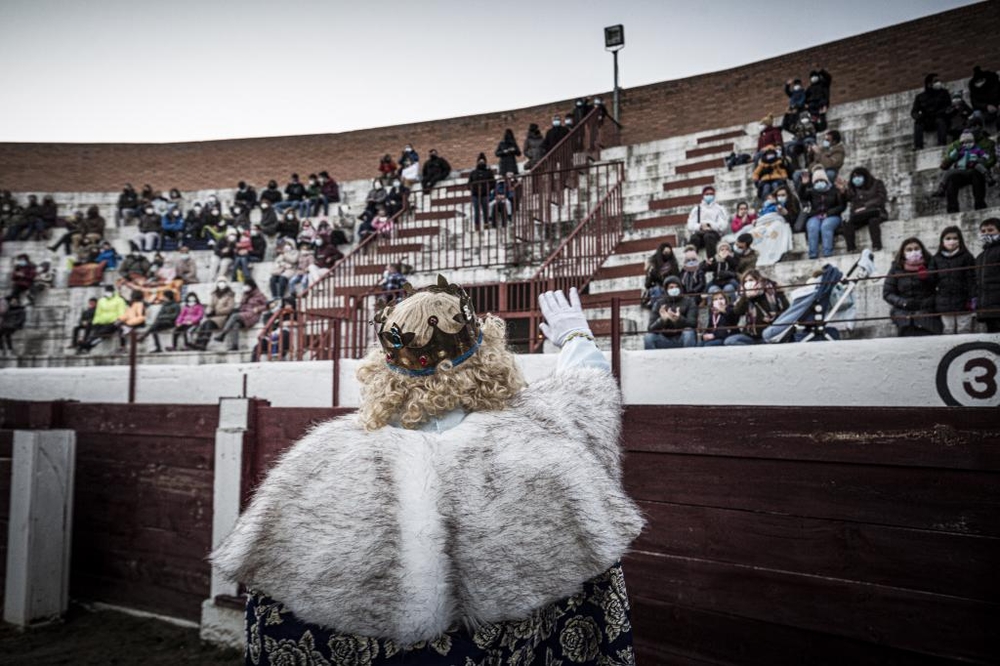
(108, 637)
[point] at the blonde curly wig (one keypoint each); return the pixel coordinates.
(487, 380)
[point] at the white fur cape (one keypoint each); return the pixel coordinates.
(404, 534)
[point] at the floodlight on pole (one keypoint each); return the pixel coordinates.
(614, 41)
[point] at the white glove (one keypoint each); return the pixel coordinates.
(562, 317)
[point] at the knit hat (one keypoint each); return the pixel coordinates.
(966, 135)
(819, 173)
(767, 120)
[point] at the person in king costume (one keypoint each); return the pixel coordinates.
(458, 517)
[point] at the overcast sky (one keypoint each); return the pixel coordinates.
(186, 70)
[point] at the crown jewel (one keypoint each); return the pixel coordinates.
(454, 330)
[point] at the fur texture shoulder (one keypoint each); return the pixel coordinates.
(405, 534)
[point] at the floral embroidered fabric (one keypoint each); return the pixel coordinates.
(590, 628)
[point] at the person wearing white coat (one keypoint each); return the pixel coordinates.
(707, 222)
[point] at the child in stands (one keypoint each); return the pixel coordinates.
(723, 269)
(190, 316)
(721, 321)
(692, 277)
(988, 276)
(744, 217)
(745, 254)
(954, 268)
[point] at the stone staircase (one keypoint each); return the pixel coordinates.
(665, 179)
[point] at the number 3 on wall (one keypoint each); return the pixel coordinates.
(967, 375)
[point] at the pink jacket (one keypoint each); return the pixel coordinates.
(738, 224)
(190, 315)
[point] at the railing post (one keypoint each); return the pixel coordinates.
(336, 363)
(616, 338)
(131, 366)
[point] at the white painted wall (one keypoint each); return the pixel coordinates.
(878, 372)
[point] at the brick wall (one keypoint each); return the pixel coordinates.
(867, 65)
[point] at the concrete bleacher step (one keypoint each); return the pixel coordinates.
(729, 134)
(686, 183)
(715, 149)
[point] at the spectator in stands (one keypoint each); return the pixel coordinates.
(508, 152)
(382, 222)
(393, 199)
(176, 200)
(984, 93)
(707, 222)
(11, 216)
(241, 256)
(288, 227)
(804, 137)
(147, 238)
(392, 278)
(796, 96)
(194, 225)
(987, 293)
(954, 268)
(769, 136)
(19, 226)
(909, 289)
(661, 265)
(252, 306)
(958, 115)
(826, 204)
(258, 244)
(86, 253)
(481, 183)
(722, 321)
(556, 133)
(329, 192)
(307, 233)
(128, 205)
(45, 278)
(300, 279)
(74, 232)
(388, 170)
(314, 195)
(134, 317)
(221, 304)
(534, 146)
(186, 266)
(271, 194)
(829, 154)
(295, 197)
(692, 274)
(167, 315)
(240, 217)
(436, 169)
(967, 162)
(286, 261)
(930, 112)
(190, 316)
(11, 322)
(224, 254)
(374, 199)
(82, 329)
(110, 308)
(760, 302)
(23, 276)
(673, 320)
(744, 217)
(108, 256)
(771, 172)
(325, 253)
(135, 265)
(215, 228)
(746, 256)
(868, 199)
(172, 224)
(246, 195)
(722, 266)
(581, 109)
(268, 218)
(818, 92)
(42, 220)
(502, 201)
(790, 208)
(409, 169)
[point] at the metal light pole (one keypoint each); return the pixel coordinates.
(614, 41)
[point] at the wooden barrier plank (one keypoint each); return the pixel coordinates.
(729, 639)
(939, 562)
(139, 594)
(942, 437)
(933, 499)
(189, 453)
(916, 621)
(185, 421)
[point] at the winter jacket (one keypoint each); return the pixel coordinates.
(109, 257)
(269, 221)
(253, 306)
(150, 222)
(791, 208)
(693, 280)
(555, 134)
(987, 289)
(760, 311)
(327, 255)
(911, 296)
(827, 203)
(870, 196)
(722, 324)
(769, 136)
(436, 169)
(220, 306)
(24, 276)
(930, 104)
(958, 115)
(271, 194)
(134, 315)
(109, 310)
(713, 214)
(746, 261)
(829, 158)
(984, 89)
(305, 261)
(481, 181)
(170, 222)
(768, 171)
(818, 94)
(330, 189)
(295, 192)
(93, 224)
(135, 264)
(258, 247)
(187, 269)
(167, 315)
(190, 315)
(724, 271)
(14, 318)
(738, 223)
(508, 152)
(246, 197)
(985, 155)
(534, 148)
(87, 316)
(687, 309)
(128, 199)
(956, 285)
(286, 263)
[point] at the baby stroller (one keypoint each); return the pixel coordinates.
(815, 306)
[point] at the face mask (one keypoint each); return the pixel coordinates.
(826, 143)
(913, 256)
(814, 79)
(796, 87)
(821, 186)
(968, 144)
(749, 286)
(738, 250)
(950, 243)
(691, 263)
(556, 123)
(782, 200)
(673, 291)
(857, 181)
(149, 211)
(191, 301)
(937, 85)
(264, 206)
(709, 198)
(221, 285)
(988, 239)
(569, 122)
(255, 233)
(237, 210)
(289, 217)
(806, 121)
(312, 182)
